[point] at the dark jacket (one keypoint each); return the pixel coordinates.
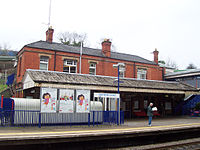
(149, 111)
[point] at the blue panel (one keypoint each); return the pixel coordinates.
(190, 104)
(7, 103)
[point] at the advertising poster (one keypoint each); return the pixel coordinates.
(48, 99)
(66, 101)
(83, 101)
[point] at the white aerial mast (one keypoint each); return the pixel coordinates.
(49, 14)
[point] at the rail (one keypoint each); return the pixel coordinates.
(36, 118)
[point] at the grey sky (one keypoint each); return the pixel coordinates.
(135, 26)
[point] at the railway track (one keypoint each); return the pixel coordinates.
(189, 144)
(141, 138)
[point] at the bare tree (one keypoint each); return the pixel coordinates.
(4, 48)
(72, 38)
(191, 66)
(171, 63)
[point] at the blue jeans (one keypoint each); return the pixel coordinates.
(150, 118)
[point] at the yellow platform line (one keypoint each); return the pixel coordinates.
(99, 130)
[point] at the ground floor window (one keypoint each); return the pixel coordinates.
(136, 105)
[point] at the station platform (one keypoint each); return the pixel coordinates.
(131, 129)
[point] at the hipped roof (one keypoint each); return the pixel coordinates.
(87, 51)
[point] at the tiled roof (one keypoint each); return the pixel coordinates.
(81, 79)
(87, 51)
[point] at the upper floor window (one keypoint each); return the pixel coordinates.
(70, 66)
(44, 62)
(92, 69)
(142, 74)
(122, 71)
(121, 74)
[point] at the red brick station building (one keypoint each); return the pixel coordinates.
(55, 65)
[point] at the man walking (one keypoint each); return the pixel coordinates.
(150, 113)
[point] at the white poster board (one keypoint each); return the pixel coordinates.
(66, 98)
(82, 101)
(107, 95)
(48, 99)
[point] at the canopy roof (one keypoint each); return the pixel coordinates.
(55, 79)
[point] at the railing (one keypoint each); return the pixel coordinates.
(36, 118)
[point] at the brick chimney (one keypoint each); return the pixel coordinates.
(155, 53)
(106, 47)
(49, 34)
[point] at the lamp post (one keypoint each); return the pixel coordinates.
(120, 68)
(81, 52)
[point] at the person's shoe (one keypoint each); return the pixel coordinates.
(149, 125)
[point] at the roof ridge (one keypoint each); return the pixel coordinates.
(86, 79)
(184, 72)
(88, 51)
(174, 82)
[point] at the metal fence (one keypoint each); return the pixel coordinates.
(36, 118)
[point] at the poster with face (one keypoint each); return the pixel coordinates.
(66, 101)
(48, 100)
(83, 101)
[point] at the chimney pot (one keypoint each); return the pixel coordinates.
(155, 53)
(106, 47)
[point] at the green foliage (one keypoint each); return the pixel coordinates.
(72, 39)
(161, 61)
(197, 106)
(3, 87)
(191, 66)
(74, 43)
(65, 42)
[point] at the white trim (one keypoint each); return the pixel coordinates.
(107, 95)
(90, 67)
(45, 62)
(74, 64)
(28, 82)
(107, 88)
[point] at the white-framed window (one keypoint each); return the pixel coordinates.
(70, 66)
(92, 68)
(44, 60)
(122, 71)
(121, 74)
(142, 74)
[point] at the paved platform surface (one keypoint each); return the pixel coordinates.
(134, 128)
(134, 124)
(128, 124)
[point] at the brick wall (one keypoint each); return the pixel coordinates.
(30, 59)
